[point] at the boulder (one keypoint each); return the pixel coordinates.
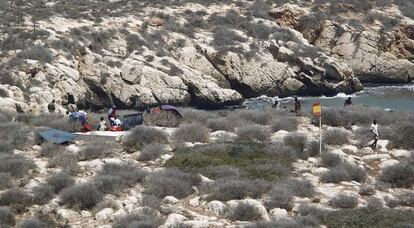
(401, 153)
(217, 207)
(104, 214)
(68, 216)
(170, 200)
(131, 71)
(278, 214)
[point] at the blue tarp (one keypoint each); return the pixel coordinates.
(56, 136)
(132, 120)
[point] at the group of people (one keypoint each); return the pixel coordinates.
(348, 102)
(115, 123)
(297, 106)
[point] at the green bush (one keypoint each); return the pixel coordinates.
(367, 217)
(254, 160)
(230, 188)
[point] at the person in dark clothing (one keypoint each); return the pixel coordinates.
(275, 104)
(348, 102)
(298, 106)
(112, 115)
(52, 106)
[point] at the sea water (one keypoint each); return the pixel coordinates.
(387, 97)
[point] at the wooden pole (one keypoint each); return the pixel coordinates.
(320, 134)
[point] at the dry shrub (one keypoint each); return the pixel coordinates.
(344, 201)
(170, 182)
(16, 165)
(60, 181)
(253, 133)
(81, 196)
(335, 136)
(192, 133)
(151, 152)
(141, 136)
(245, 212)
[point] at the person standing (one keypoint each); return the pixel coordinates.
(275, 104)
(374, 130)
(112, 114)
(52, 106)
(348, 102)
(298, 106)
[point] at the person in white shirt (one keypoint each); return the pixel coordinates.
(374, 130)
(117, 122)
(102, 125)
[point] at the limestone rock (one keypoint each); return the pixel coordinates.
(68, 215)
(104, 214)
(278, 213)
(170, 200)
(217, 207)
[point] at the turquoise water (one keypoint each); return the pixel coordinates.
(389, 97)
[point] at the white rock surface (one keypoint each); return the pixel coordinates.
(217, 207)
(278, 213)
(68, 215)
(104, 214)
(170, 200)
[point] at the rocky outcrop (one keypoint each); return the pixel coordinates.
(362, 51)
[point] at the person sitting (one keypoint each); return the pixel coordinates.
(102, 125)
(117, 122)
(348, 102)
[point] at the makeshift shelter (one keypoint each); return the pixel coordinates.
(132, 120)
(56, 136)
(172, 109)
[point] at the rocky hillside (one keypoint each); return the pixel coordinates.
(203, 53)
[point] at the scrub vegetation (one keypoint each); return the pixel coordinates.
(260, 162)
